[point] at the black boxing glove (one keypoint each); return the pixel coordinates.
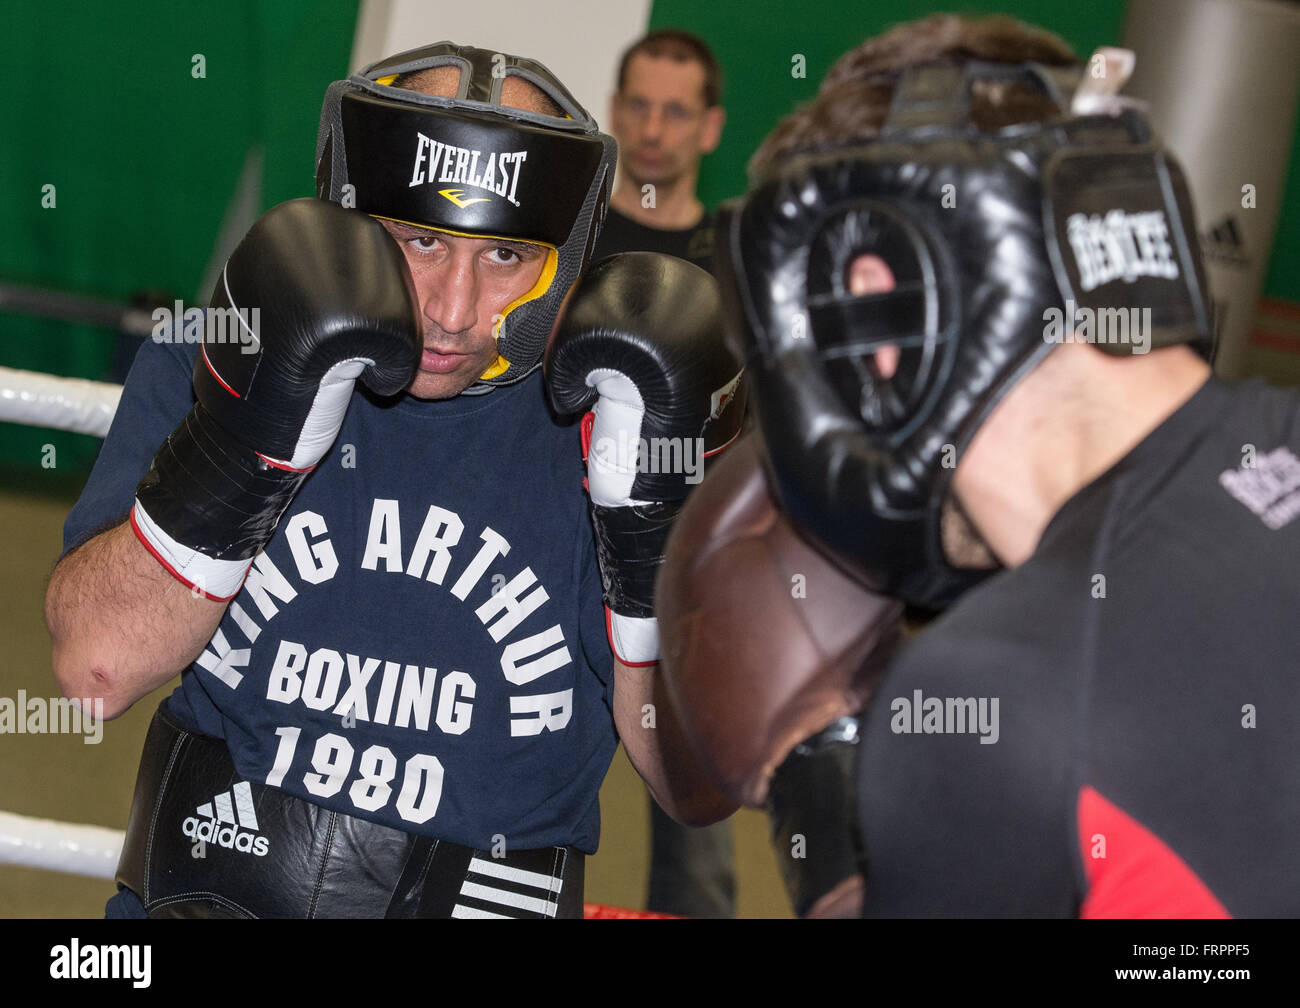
(314, 297)
(812, 809)
(640, 337)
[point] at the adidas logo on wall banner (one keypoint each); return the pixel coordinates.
(233, 809)
(1222, 242)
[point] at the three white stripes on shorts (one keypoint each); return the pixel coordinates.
(547, 886)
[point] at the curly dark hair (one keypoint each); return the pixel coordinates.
(854, 98)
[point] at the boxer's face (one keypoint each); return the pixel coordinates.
(962, 542)
(869, 274)
(463, 285)
(660, 120)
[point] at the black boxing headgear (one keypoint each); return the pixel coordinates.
(1001, 243)
(470, 166)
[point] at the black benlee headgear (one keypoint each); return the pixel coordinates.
(990, 236)
(470, 166)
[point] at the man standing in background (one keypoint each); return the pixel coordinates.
(666, 116)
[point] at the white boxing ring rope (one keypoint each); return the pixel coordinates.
(70, 404)
(59, 846)
(85, 407)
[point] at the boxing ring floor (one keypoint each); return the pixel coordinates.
(60, 777)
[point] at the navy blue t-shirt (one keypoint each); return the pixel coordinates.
(422, 643)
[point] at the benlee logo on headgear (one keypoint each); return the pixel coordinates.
(1120, 245)
(437, 162)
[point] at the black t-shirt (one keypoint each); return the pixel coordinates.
(1109, 730)
(622, 234)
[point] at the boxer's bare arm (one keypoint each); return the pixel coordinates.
(121, 625)
(653, 738)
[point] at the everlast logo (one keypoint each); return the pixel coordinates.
(1120, 245)
(439, 162)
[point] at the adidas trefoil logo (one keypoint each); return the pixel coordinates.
(1222, 242)
(233, 809)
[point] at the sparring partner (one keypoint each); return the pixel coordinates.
(969, 282)
(365, 540)
(666, 114)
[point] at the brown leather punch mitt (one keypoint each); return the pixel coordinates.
(764, 641)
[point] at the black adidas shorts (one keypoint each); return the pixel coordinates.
(202, 842)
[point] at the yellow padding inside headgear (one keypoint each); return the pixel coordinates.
(544, 281)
